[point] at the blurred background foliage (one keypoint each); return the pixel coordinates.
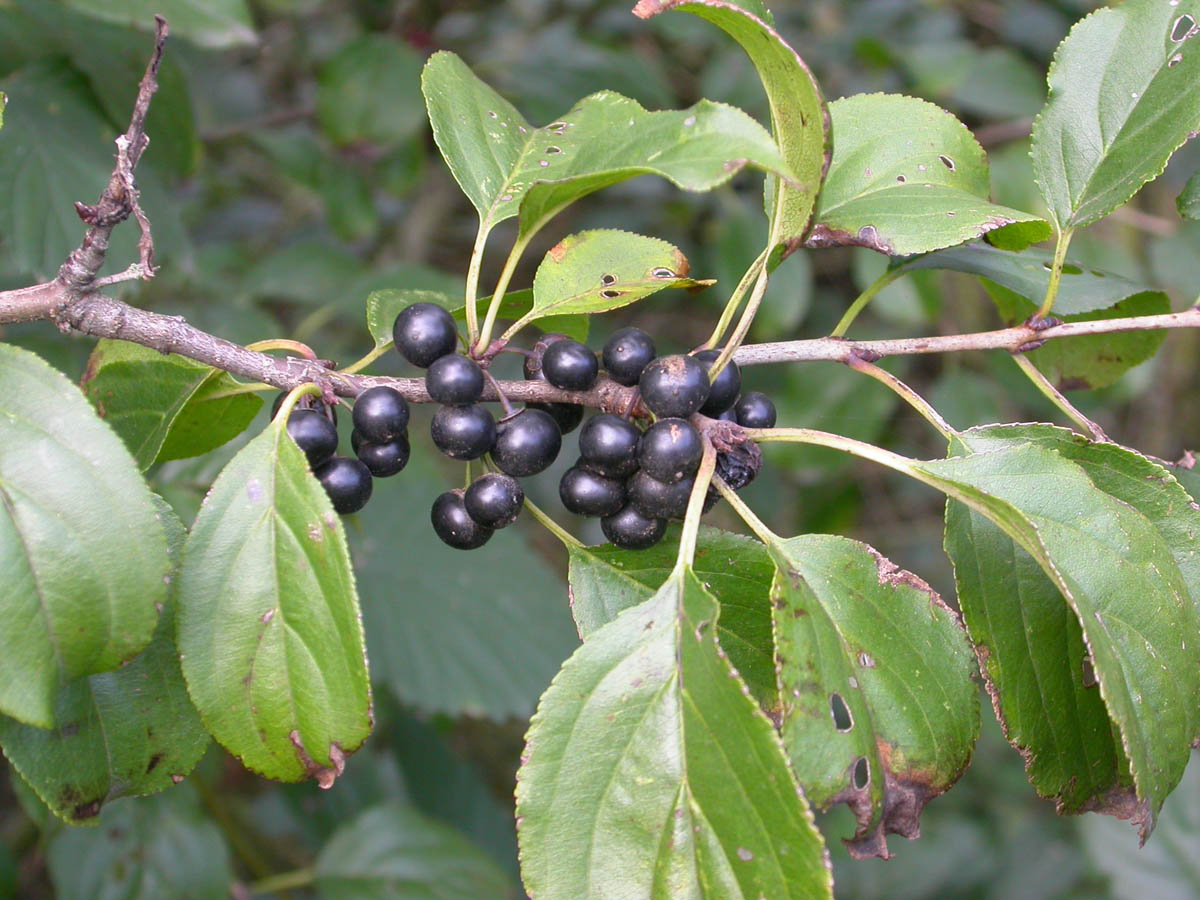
(291, 172)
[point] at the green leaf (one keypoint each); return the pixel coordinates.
(479, 634)
(125, 733)
(1118, 576)
(159, 847)
(880, 710)
(210, 23)
(506, 166)
(83, 559)
(395, 853)
(369, 92)
(269, 631)
(1123, 98)
(595, 271)
(648, 771)
(162, 405)
(799, 119)
(908, 177)
(1188, 202)
(736, 570)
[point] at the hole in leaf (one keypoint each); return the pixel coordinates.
(842, 720)
(947, 162)
(865, 661)
(662, 272)
(1089, 673)
(1067, 269)
(607, 279)
(901, 179)
(553, 149)
(1174, 60)
(951, 214)
(610, 294)
(556, 127)
(862, 773)
(1184, 28)
(543, 163)
(492, 114)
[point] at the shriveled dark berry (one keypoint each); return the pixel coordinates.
(630, 530)
(527, 443)
(739, 466)
(380, 414)
(670, 450)
(566, 416)
(588, 493)
(674, 386)
(608, 444)
(626, 354)
(454, 525)
(723, 392)
(755, 410)
(314, 434)
(454, 380)
(347, 482)
(463, 432)
(657, 500)
(424, 332)
(570, 365)
(494, 500)
(386, 459)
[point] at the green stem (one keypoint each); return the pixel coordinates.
(695, 509)
(568, 540)
(735, 300)
(765, 534)
(743, 325)
(284, 881)
(860, 449)
(516, 326)
(493, 310)
(293, 397)
(863, 299)
(366, 360)
(1060, 258)
(472, 292)
(911, 397)
(1055, 396)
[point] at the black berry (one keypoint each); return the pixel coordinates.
(626, 354)
(424, 332)
(527, 443)
(380, 414)
(657, 500)
(723, 392)
(608, 444)
(566, 416)
(570, 365)
(493, 500)
(454, 380)
(630, 530)
(670, 450)
(454, 525)
(587, 493)
(347, 482)
(314, 434)
(386, 459)
(463, 432)
(674, 386)
(755, 410)
(739, 466)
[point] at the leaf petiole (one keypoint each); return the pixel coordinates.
(1056, 270)
(510, 266)
(293, 397)
(863, 299)
(568, 540)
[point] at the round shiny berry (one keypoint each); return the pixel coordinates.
(463, 432)
(570, 365)
(755, 410)
(380, 414)
(314, 434)
(527, 443)
(454, 380)
(494, 500)
(566, 416)
(587, 493)
(424, 332)
(670, 450)
(674, 386)
(386, 459)
(608, 444)
(723, 392)
(454, 525)
(347, 482)
(626, 354)
(658, 500)
(630, 530)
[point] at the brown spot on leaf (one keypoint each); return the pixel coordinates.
(154, 761)
(1074, 384)
(822, 236)
(325, 775)
(558, 251)
(904, 797)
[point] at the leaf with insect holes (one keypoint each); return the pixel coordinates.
(908, 177)
(799, 119)
(268, 626)
(507, 167)
(649, 772)
(595, 271)
(1124, 95)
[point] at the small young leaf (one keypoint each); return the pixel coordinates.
(595, 271)
(393, 852)
(908, 177)
(83, 559)
(648, 771)
(268, 625)
(1123, 97)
